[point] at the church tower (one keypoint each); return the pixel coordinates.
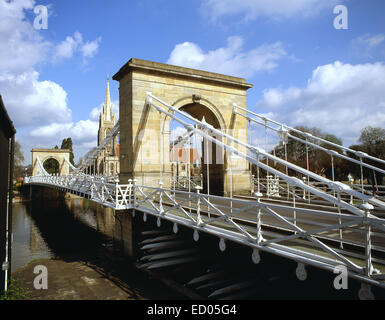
(108, 161)
(107, 118)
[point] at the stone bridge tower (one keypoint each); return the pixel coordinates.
(145, 133)
(60, 155)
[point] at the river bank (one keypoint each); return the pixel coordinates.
(80, 280)
(73, 240)
(71, 281)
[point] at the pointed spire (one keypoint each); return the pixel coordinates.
(108, 97)
(107, 109)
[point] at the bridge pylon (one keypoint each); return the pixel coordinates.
(62, 157)
(145, 132)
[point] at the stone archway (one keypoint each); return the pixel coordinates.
(144, 144)
(60, 155)
(51, 165)
(204, 102)
(212, 156)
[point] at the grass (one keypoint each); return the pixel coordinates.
(15, 291)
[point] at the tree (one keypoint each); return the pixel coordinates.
(325, 160)
(79, 162)
(350, 167)
(19, 157)
(67, 144)
(18, 169)
(373, 143)
(319, 161)
(51, 166)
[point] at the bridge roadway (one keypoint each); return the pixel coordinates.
(350, 243)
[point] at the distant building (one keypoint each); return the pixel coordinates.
(180, 157)
(108, 161)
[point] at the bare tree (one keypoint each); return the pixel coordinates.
(18, 170)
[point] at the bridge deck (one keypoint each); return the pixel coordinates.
(353, 238)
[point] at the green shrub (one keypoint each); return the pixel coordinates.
(15, 291)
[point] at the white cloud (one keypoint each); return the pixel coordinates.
(375, 40)
(32, 103)
(83, 134)
(339, 98)
(90, 48)
(68, 47)
(71, 45)
(85, 130)
(81, 131)
(17, 37)
(27, 99)
(231, 60)
(95, 112)
(367, 43)
(53, 129)
(177, 132)
(276, 9)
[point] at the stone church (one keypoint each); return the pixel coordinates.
(108, 161)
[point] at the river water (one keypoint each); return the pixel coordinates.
(28, 243)
(63, 229)
(79, 230)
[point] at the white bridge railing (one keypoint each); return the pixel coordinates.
(321, 238)
(96, 188)
(186, 183)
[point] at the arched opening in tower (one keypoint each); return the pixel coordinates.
(52, 166)
(198, 157)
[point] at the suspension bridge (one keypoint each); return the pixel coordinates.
(245, 193)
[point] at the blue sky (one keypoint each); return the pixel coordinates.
(304, 71)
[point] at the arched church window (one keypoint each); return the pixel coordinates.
(107, 132)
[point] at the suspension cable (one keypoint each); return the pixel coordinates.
(314, 176)
(308, 135)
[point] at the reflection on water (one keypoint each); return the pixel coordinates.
(82, 231)
(69, 229)
(28, 243)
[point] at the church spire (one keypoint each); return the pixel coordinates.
(107, 108)
(108, 97)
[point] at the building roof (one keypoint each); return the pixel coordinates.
(178, 154)
(51, 150)
(176, 71)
